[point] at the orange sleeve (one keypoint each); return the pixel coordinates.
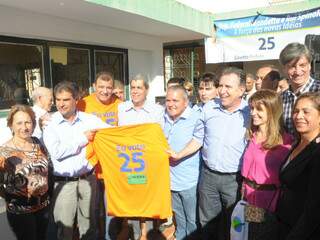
(81, 105)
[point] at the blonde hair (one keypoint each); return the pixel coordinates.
(274, 127)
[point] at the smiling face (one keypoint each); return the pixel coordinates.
(259, 114)
(306, 117)
(176, 103)
(22, 126)
(230, 91)
(119, 92)
(103, 90)
(138, 92)
(298, 72)
(66, 104)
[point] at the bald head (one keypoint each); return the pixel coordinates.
(42, 97)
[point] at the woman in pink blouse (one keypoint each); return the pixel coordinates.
(266, 151)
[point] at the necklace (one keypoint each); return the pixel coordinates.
(22, 149)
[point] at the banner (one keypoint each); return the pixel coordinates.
(259, 37)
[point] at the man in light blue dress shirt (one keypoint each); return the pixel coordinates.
(225, 121)
(180, 125)
(66, 137)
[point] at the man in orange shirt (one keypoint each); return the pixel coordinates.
(104, 104)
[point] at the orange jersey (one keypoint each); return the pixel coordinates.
(135, 168)
(108, 113)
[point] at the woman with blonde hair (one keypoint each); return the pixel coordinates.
(24, 169)
(266, 151)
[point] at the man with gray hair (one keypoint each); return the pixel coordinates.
(296, 61)
(181, 125)
(137, 111)
(42, 102)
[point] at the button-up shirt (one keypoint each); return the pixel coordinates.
(149, 113)
(289, 98)
(224, 136)
(185, 172)
(39, 112)
(66, 143)
(198, 107)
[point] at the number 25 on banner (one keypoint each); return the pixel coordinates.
(136, 158)
(266, 43)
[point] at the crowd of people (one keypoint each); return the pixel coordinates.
(249, 136)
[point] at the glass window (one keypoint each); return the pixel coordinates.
(110, 62)
(21, 70)
(70, 64)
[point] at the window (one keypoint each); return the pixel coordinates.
(28, 63)
(70, 64)
(110, 62)
(21, 70)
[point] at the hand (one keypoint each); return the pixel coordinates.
(173, 155)
(90, 134)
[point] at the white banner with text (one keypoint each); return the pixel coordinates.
(260, 37)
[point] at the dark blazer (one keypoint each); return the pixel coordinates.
(298, 207)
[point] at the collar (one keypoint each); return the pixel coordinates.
(146, 106)
(242, 107)
(304, 88)
(60, 119)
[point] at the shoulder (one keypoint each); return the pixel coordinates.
(211, 105)
(157, 107)
(87, 116)
(5, 152)
(124, 105)
(315, 86)
(82, 103)
(287, 138)
(116, 100)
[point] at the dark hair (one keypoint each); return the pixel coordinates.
(176, 80)
(21, 108)
(67, 86)
(237, 71)
(314, 97)
(209, 77)
(105, 76)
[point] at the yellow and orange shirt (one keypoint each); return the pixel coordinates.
(135, 168)
(108, 113)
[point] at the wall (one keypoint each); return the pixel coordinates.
(145, 51)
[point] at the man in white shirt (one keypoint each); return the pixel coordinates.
(42, 98)
(66, 137)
